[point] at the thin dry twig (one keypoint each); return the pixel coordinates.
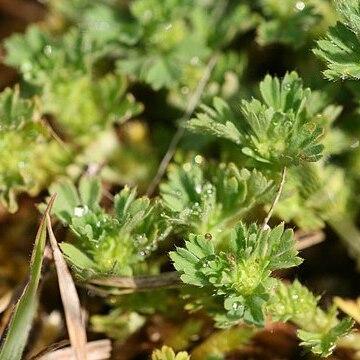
(5, 300)
(130, 284)
(72, 308)
(160, 281)
(95, 350)
(306, 239)
(194, 100)
(105, 292)
(277, 197)
(55, 136)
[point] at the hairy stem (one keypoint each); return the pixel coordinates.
(277, 197)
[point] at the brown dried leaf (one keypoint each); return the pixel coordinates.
(74, 318)
(349, 307)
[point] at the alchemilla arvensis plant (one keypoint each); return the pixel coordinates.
(188, 155)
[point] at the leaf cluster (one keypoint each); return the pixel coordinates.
(199, 197)
(66, 77)
(287, 23)
(107, 243)
(167, 353)
(319, 330)
(241, 275)
(277, 131)
(84, 69)
(341, 47)
(25, 142)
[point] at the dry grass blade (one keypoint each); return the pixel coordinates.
(306, 239)
(5, 301)
(194, 100)
(95, 350)
(16, 333)
(349, 307)
(277, 198)
(73, 314)
(142, 282)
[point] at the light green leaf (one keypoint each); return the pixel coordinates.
(167, 353)
(341, 51)
(324, 344)
(90, 191)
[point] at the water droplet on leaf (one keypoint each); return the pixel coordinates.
(81, 210)
(195, 61)
(300, 5)
(355, 144)
(48, 50)
(199, 159)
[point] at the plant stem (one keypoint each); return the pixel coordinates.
(142, 282)
(277, 197)
(308, 239)
(194, 100)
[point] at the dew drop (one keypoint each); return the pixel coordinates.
(141, 239)
(81, 210)
(48, 50)
(198, 159)
(26, 66)
(287, 87)
(21, 165)
(206, 264)
(195, 61)
(355, 144)
(300, 5)
(184, 90)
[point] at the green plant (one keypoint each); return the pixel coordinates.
(254, 154)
